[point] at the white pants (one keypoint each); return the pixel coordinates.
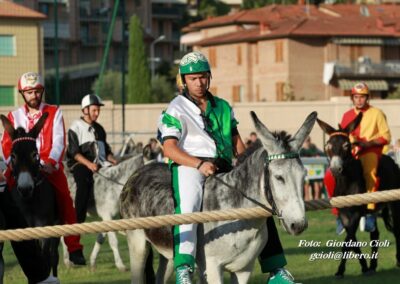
(188, 195)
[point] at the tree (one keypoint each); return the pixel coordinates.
(111, 87)
(162, 91)
(139, 88)
(252, 4)
(213, 8)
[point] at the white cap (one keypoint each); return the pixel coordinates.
(91, 100)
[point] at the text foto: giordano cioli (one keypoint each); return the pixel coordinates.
(335, 243)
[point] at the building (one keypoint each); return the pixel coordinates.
(300, 52)
(21, 48)
(83, 27)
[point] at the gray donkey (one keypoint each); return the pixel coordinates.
(272, 175)
(108, 183)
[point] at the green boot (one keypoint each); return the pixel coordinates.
(183, 274)
(281, 276)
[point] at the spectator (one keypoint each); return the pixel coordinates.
(309, 149)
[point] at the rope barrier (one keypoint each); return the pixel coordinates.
(190, 218)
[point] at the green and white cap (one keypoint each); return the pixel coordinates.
(194, 62)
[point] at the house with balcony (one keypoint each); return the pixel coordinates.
(300, 52)
(21, 48)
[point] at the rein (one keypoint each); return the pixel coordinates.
(270, 210)
(110, 179)
(273, 210)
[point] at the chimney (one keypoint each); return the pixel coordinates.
(264, 28)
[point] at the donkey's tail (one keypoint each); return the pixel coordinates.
(387, 217)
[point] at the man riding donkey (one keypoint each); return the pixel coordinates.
(200, 137)
(51, 145)
(368, 140)
(87, 151)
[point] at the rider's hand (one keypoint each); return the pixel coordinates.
(48, 168)
(207, 169)
(113, 161)
(93, 167)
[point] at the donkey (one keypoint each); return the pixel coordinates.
(272, 175)
(348, 174)
(33, 194)
(108, 183)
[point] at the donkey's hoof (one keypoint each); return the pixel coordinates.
(369, 272)
(339, 275)
(92, 268)
(122, 268)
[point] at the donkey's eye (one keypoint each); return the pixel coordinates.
(13, 157)
(328, 146)
(279, 178)
(35, 156)
(346, 146)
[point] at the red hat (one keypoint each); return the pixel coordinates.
(29, 81)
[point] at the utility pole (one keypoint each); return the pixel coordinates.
(123, 94)
(56, 67)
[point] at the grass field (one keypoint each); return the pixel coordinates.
(321, 228)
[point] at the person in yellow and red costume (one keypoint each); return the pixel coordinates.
(368, 139)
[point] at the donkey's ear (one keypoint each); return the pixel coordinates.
(8, 127)
(34, 132)
(325, 127)
(266, 137)
(303, 132)
(353, 125)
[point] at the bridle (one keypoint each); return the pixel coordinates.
(38, 179)
(273, 210)
(336, 133)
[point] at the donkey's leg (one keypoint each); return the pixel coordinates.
(165, 270)
(138, 250)
(67, 263)
(243, 276)
(1, 262)
(374, 250)
(395, 208)
(96, 249)
(54, 255)
(214, 273)
(361, 259)
(105, 214)
(113, 241)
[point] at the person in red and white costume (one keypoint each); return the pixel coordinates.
(51, 145)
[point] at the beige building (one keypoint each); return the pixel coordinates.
(21, 48)
(299, 52)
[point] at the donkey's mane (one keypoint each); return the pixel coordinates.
(19, 132)
(282, 137)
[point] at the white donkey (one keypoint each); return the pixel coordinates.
(108, 184)
(272, 175)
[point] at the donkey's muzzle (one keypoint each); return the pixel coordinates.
(25, 192)
(297, 228)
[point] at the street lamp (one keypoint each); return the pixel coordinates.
(152, 59)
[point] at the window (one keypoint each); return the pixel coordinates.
(7, 45)
(280, 96)
(239, 55)
(44, 8)
(279, 51)
(6, 96)
(355, 52)
(212, 56)
(237, 93)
